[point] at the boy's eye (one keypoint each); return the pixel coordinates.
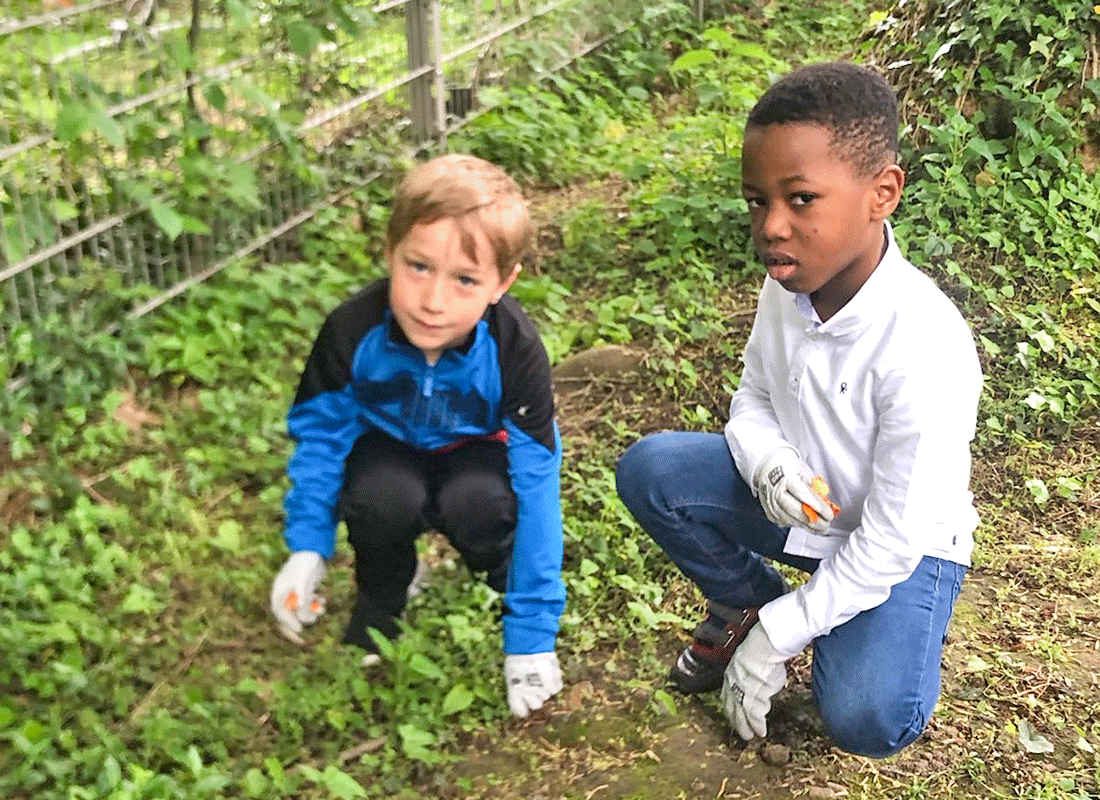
(802, 199)
(418, 266)
(754, 202)
(467, 280)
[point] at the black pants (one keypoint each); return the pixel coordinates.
(392, 493)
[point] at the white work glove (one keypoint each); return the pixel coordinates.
(782, 482)
(754, 675)
(531, 681)
(294, 599)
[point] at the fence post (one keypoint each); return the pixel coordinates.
(436, 12)
(423, 35)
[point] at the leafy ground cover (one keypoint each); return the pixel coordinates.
(142, 478)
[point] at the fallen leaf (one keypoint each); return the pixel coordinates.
(133, 416)
(977, 664)
(1032, 740)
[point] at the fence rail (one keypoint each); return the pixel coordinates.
(145, 144)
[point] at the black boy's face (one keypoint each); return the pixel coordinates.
(816, 224)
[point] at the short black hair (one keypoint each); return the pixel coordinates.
(857, 106)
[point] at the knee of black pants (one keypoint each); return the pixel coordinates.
(382, 505)
(478, 516)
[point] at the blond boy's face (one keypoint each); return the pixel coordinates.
(816, 224)
(437, 293)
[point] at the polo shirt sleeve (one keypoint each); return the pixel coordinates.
(753, 429)
(920, 476)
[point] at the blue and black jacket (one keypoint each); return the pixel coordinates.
(363, 373)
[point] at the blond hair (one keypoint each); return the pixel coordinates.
(477, 195)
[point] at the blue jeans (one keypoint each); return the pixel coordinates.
(876, 678)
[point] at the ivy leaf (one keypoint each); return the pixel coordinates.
(194, 225)
(238, 11)
(215, 96)
(229, 535)
(348, 24)
(458, 699)
(167, 219)
(426, 667)
(876, 18)
(1035, 401)
(242, 187)
(416, 742)
(1041, 44)
(1032, 740)
(303, 37)
(72, 121)
(720, 37)
(748, 50)
(1045, 340)
(108, 127)
(140, 599)
(341, 784)
(693, 58)
(1039, 490)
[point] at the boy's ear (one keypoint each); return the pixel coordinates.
(506, 284)
(886, 188)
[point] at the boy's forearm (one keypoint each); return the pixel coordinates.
(316, 472)
(536, 594)
(856, 578)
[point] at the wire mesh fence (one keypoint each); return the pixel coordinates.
(144, 144)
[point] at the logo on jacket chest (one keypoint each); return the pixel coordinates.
(403, 401)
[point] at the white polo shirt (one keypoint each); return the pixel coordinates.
(880, 400)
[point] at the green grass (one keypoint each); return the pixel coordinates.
(141, 484)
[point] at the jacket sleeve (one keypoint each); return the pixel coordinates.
(753, 430)
(324, 424)
(535, 595)
(919, 479)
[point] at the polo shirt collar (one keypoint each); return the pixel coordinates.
(873, 297)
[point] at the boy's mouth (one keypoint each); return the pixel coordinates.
(780, 266)
(430, 326)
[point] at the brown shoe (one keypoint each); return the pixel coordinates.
(703, 663)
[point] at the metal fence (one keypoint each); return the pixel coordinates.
(145, 144)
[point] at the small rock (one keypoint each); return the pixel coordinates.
(576, 696)
(775, 754)
(607, 360)
(827, 792)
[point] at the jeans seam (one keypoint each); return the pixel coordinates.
(915, 724)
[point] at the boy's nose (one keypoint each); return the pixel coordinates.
(775, 226)
(433, 296)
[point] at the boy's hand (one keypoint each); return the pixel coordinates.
(755, 673)
(294, 600)
(531, 681)
(783, 484)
